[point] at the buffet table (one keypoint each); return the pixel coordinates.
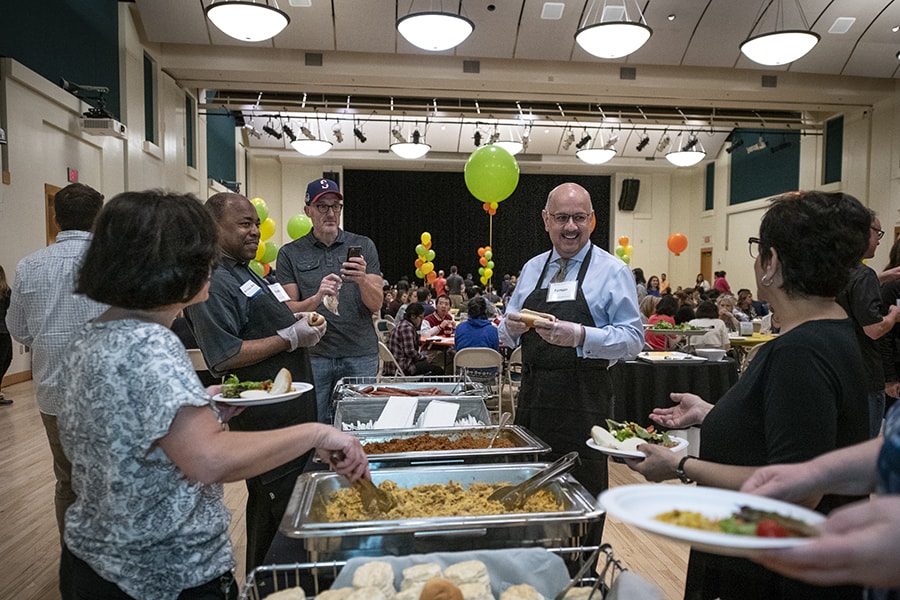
(640, 386)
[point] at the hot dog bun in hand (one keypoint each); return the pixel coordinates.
(315, 319)
(529, 316)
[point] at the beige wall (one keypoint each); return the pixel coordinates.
(42, 124)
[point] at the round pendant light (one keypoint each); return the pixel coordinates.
(311, 147)
(410, 150)
(247, 21)
(596, 156)
(779, 47)
(613, 39)
(435, 31)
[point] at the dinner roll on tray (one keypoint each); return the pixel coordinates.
(470, 571)
(295, 593)
(521, 592)
(376, 574)
(440, 589)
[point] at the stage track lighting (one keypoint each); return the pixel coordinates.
(289, 133)
(397, 135)
(735, 145)
(583, 141)
(663, 143)
(359, 135)
(271, 131)
(782, 146)
(759, 145)
(305, 131)
(692, 141)
(477, 138)
(416, 136)
(337, 132)
(645, 139)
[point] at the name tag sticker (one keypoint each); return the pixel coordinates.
(279, 292)
(562, 291)
(250, 289)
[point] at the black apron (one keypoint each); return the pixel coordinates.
(563, 396)
(269, 493)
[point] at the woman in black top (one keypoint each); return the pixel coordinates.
(802, 396)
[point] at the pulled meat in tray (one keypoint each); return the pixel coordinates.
(427, 443)
(384, 390)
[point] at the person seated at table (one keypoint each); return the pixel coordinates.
(665, 313)
(743, 308)
(708, 317)
(726, 304)
(802, 396)
(653, 286)
(684, 314)
(403, 342)
(403, 300)
(647, 308)
(423, 297)
(440, 322)
(477, 331)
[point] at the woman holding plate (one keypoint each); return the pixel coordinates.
(149, 449)
(802, 396)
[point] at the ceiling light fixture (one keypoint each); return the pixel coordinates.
(337, 132)
(512, 145)
(597, 156)
(286, 129)
(663, 143)
(311, 146)
(271, 130)
(583, 141)
(477, 138)
(735, 144)
(642, 143)
(779, 46)
(247, 20)
(435, 31)
(415, 148)
(615, 35)
(784, 145)
(688, 151)
(759, 145)
(568, 140)
(358, 133)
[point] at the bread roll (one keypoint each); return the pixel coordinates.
(315, 319)
(335, 594)
(368, 593)
(521, 592)
(470, 571)
(417, 575)
(282, 383)
(579, 593)
(528, 316)
(440, 589)
(296, 593)
(376, 574)
(476, 591)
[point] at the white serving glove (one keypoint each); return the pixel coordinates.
(560, 333)
(301, 334)
(515, 326)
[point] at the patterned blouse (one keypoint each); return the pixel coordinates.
(138, 521)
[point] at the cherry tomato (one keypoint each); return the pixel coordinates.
(770, 528)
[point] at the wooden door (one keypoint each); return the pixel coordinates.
(50, 212)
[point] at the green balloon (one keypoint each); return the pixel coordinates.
(626, 259)
(298, 226)
(257, 268)
(490, 263)
(420, 250)
(481, 270)
(262, 209)
(620, 251)
(491, 174)
(271, 252)
(488, 254)
(429, 255)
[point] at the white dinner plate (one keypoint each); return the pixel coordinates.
(682, 444)
(640, 504)
(298, 388)
(663, 356)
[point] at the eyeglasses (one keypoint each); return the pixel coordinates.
(880, 232)
(563, 218)
(754, 247)
(324, 208)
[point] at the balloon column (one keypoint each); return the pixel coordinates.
(267, 251)
(425, 260)
(485, 259)
(492, 175)
(677, 243)
(623, 250)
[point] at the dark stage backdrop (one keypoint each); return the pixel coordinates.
(395, 207)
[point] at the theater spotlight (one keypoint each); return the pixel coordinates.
(735, 144)
(359, 135)
(784, 145)
(689, 145)
(583, 141)
(477, 138)
(645, 139)
(663, 143)
(568, 140)
(271, 130)
(337, 132)
(416, 136)
(289, 133)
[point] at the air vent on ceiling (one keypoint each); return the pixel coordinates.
(842, 25)
(300, 3)
(471, 66)
(629, 73)
(313, 59)
(769, 81)
(552, 11)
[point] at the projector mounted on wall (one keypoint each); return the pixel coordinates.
(103, 126)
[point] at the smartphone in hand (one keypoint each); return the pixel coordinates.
(353, 251)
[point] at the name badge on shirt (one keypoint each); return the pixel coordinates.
(279, 292)
(562, 291)
(250, 289)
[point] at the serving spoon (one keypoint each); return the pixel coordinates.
(504, 419)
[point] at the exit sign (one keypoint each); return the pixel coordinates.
(72, 175)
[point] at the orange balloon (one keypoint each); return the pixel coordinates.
(266, 269)
(482, 261)
(486, 206)
(427, 246)
(623, 241)
(677, 243)
(492, 212)
(420, 262)
(481, 251)
(430, 277)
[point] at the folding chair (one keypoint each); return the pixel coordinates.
(482, 365)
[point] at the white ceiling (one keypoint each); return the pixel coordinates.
(347, 60)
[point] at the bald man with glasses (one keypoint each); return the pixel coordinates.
(336, 273)
(566, 388)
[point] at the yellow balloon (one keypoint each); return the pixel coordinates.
(266, 229)
(628, 249)
(488, 273)
(427, 268)
(260, 252)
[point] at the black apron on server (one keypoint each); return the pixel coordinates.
(268, 314)
(563, 396)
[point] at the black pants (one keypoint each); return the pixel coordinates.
(78, 581)
(5, 354)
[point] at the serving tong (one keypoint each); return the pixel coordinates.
(513, 497)
(375, 500)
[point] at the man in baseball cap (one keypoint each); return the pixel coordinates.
(318, 188)
(319, 273)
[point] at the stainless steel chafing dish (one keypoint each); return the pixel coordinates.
(349, 387)
(323, 541)
(364, 409)
(527, 447)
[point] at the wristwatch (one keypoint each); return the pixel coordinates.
(679, 470)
